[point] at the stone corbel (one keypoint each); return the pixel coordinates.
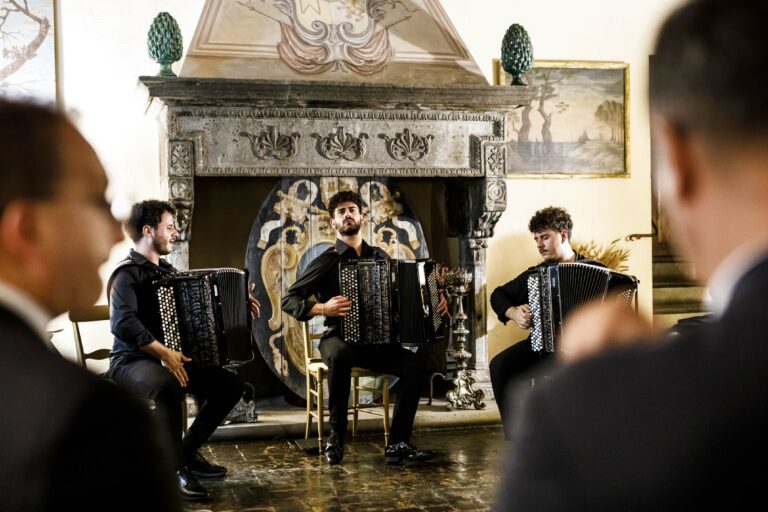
(488, 153)
(180, 186)
(183, 218)
(180, 158)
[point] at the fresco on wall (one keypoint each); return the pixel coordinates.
(340, 40)
(576, 125)
(345, 36)
(28, 57)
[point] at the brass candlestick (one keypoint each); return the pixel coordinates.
(462, 396)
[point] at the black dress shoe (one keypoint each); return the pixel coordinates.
(403, 451)
(189, 486)
(201, 468)
(334, 449)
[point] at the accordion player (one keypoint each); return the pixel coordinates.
(555, 291)
(205, 314)
(393, 301)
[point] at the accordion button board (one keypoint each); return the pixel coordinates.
(205, 314)
(556, 291)
(393, 301)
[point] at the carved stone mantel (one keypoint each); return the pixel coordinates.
(318, 94)
(231, 127)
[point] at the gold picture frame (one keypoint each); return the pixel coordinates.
(590, 99)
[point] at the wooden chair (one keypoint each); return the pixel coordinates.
(316, 372)
(100, 313)
(97, 313)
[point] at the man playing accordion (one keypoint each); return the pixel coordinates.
(140, 361)
(551, 228)
(321, 280)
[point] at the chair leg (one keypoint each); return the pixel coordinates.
(385, 400)
(320, 419)
(432, 385)
(308, 421)
(355, 403)
(184, 414)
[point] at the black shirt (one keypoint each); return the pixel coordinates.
(321, 280)
(134, 314)
(515, 292)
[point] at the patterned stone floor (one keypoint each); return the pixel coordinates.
(277, 476)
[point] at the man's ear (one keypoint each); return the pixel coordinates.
(563, 236)
(18, 227)
(680, 166)
(146, 230)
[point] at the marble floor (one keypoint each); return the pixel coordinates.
(275, 475)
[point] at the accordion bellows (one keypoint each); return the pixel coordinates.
(205, 314)
(555, 291)
(392, 302)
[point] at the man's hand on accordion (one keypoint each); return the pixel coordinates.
(337, 306)
(521, 315)
(174, 363)
(255, 304)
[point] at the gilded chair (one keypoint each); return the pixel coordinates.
(316, 373)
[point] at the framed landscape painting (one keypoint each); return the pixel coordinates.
(28, 56)
(577, 124)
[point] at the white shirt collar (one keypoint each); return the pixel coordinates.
(727, 274)
(27, 309)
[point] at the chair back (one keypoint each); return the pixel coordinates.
(309, 337)
(97, 313)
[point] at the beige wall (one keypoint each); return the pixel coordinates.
(603, 209)
(102, 51)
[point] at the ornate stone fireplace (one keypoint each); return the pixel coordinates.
(232, 128)
(337, 107)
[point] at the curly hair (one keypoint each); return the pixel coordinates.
(553, 218)
(342, 197)
(146, 213)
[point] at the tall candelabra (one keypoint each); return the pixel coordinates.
(457, 283)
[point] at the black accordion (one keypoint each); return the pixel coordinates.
(393, 301)
(205, 314)
(557, 290)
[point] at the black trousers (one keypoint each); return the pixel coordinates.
(215, 389)
(390, 359)
(510, 369)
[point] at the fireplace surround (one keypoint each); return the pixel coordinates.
(454, 134)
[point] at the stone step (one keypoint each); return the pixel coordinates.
(681, 308)
(679, 282)
(667, 320)
(670, 273)
(679, 295)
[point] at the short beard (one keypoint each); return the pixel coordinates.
(159, 248)
(349, 230)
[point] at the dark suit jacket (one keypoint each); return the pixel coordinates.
(669, 426)
(70, 440)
